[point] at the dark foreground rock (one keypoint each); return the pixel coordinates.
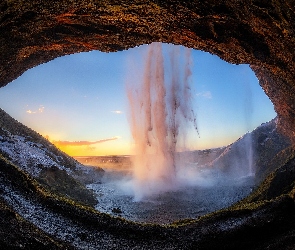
(60, 182)
(265, 223)
(257, 32)
(18, 233)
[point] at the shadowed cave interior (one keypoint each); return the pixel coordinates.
(257, 32)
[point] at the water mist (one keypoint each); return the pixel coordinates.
(160, 114)
(248, 121)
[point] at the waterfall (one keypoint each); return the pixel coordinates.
(160, 114)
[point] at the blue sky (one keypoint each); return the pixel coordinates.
(82, 97)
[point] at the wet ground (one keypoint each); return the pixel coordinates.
(186, 202)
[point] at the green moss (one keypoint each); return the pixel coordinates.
(60, 182)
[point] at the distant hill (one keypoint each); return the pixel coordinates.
(33, 217)
(257, 153)
(45, 162)
(252, 154)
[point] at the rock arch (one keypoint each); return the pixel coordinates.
(258, 32)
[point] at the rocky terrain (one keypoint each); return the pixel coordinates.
(257, 150)
(43, 161)
(256, 153)
(40, 211)
(39, 219)
(257, 32)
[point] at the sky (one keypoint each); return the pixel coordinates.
(79, 101)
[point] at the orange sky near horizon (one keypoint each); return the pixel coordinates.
(106, 148)
(116, 146)
(102, 147)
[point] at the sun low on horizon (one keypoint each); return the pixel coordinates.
(90, 148)
(79, 102)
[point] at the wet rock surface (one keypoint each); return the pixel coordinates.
(257, 32)
(165, 208)
(17, 233)
(246, 226)
(265, 219)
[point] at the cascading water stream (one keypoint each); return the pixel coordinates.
(171, 179)
(160, 114)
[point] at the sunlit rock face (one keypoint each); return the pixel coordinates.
(257, 32)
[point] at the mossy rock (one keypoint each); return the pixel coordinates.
(60, 182)
(18, 233)
(279, 182)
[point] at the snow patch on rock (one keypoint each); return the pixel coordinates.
(30, 156)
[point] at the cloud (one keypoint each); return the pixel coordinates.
(205, 94)
(82, 143)
(117, 111)
(39, 110)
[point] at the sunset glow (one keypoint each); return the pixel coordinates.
(79, 101)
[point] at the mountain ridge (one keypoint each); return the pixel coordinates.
(44, 161)
(250, 155)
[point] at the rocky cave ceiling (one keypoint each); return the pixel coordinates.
(256, 32)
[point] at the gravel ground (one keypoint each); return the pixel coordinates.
(188, 202)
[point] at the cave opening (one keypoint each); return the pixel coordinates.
(227, 97)
(90, 122)
(255, 32)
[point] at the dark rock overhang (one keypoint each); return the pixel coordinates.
(256, 32)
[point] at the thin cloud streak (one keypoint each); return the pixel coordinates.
(117, 112)
(40, 110)
(205, 94)
(82, 143)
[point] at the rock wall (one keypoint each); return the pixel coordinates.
(257, 32)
